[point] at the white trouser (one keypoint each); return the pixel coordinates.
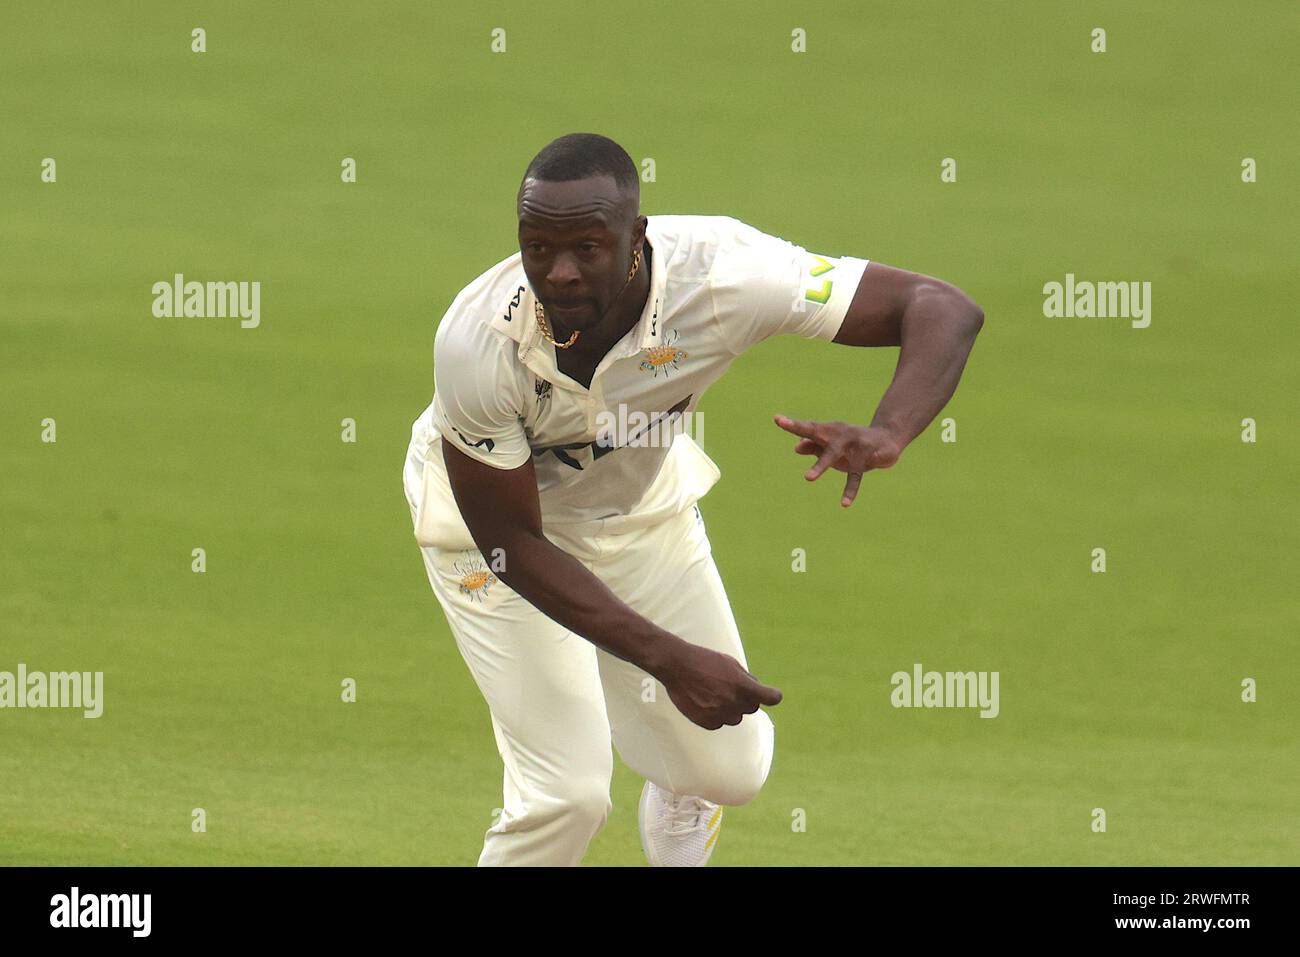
(556, 700)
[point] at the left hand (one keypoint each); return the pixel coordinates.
(854, 449)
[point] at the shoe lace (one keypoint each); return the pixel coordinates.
(687, 813)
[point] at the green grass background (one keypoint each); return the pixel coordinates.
(1118, 691)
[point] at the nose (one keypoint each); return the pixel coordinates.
(563, 272)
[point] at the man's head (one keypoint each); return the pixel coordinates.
(579, 221)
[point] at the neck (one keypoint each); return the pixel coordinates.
(593, 343)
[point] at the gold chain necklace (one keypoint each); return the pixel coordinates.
(541, 313)
(541, 324)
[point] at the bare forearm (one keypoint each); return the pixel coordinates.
(564, 590)
(938, 330)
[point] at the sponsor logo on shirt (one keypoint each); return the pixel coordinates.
(626, 426)
(820, 294)
(510, 309)
(487, 444)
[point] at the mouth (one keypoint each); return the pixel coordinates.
(569, 309)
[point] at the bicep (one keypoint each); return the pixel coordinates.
(875, 315)
(497, 504)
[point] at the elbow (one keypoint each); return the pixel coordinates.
(510, 555)
(956, 309)
(972, 316)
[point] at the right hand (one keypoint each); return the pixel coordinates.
(713, 689)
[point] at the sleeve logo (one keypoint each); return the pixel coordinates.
(823, 294)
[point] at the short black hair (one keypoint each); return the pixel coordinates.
(579, 155)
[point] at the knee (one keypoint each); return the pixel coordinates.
(731, 786)
(590, 805)
(582, 804)
(553, 830)
(736, 775)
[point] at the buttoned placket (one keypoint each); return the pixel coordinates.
(538, 355)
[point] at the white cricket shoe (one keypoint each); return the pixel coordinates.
(677, 830)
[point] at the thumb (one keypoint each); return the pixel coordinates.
(766, 694)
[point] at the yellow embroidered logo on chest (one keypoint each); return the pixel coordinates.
(663, 357)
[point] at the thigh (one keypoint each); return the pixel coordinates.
(541, 682)
(669, 576)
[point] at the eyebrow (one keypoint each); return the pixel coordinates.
(597, 230)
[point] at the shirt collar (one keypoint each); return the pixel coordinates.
(648, 330)
(517, 315)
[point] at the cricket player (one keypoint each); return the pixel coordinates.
(568, 552)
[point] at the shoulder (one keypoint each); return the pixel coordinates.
(698, 240)
(473, 346)
(714, 252)
(717, 248)
(472, 324)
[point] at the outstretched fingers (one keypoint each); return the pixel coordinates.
(824, 461)
(798, 426)
(851, 489)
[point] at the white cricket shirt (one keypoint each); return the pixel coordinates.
(717, 287)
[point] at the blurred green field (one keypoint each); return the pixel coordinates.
(1119, 691)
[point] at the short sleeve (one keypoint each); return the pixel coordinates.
(764, 286)
(476, 402)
